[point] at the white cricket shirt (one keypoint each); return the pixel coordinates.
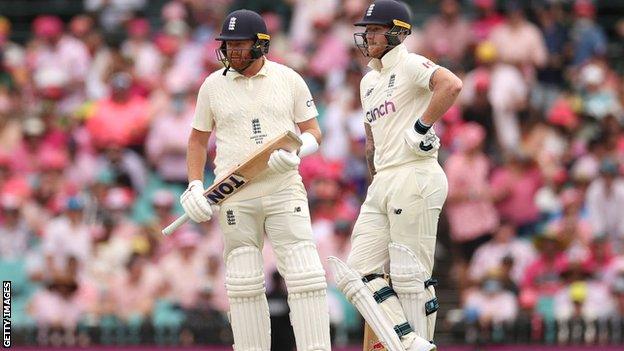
(245, 113)
(394, 94)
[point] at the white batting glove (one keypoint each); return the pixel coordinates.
(195, 204)
(282, 161)
(422, 144)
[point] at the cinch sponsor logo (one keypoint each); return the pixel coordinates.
(225, 187)
(384, 109)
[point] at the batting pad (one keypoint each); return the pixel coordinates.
(351, 284)
(249, 310)
(408, 280)
(307, 298)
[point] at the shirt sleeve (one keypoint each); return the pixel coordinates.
(362, 95)
(421, 69)
(304, 103)
(203, 119)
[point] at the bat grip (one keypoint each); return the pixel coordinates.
(175, 225)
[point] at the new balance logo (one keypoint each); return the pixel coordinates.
(232, 23)
(255, 126)
(297, 209)
(369, 12)
(398, 211)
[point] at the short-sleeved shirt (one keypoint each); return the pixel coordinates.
(246, 112)
(394, 94)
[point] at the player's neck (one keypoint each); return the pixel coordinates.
(254, 68)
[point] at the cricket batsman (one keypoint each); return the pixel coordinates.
(403, 95)
(248, 103)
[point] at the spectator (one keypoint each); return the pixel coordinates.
(135, 292)
(507, 93)
(471, 212)
(121, 119)
(491, 308)
(514, 186)
(519, 42)
(542, 277)
(599, 100)
(556, 38)
(504, 245)
(588, 38)
(15, 235)
(67, 236)
(167, 139)
(58, 63)
(583, 300)
(487, 19)
(56, 309)
(147, 61)
(184, 288)
(605, 197)
(447, 35)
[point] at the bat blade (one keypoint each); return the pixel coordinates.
(371, 342)
(241, 174)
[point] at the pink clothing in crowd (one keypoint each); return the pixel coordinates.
(473, 213)
(50, 308)
(517, 205)
(184, 288)
(447, 39)
(119, 124)
(482, 28)
(135, 297)
(166, 144)
(543, 275)
(522, 45)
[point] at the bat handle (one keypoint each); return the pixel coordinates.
(175, 225)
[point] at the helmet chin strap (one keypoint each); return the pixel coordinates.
(228, 66)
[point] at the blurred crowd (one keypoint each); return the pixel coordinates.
(95, 111)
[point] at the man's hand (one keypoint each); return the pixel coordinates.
(282, 161)
(422, 144)
(195, 204)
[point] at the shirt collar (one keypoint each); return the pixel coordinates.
(390, 59)
(233, 74)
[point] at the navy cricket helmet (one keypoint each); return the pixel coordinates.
(391, 13)
(244, 25)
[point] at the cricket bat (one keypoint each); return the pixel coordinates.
(371, 341)
(241, 174)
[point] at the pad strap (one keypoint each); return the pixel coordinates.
(403, 329)
(384, 293)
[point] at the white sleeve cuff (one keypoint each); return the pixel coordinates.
(309, 145)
